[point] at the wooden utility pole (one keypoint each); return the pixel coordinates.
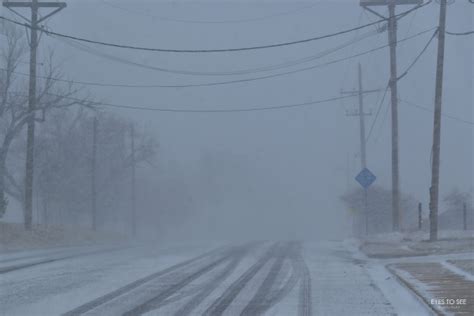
(34, 5)
(392, 41)
(93, 175)
(133, 188)
(434, 189)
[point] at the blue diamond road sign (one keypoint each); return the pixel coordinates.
(365, 178)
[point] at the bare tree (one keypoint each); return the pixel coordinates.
(14, 113)
(456, 199)
(64, 156)
(459, 211)
(378, 210)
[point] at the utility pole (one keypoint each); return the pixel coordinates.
(34, 5)
(93, 175)
(419, 215)
(392, 41)
(361, 114)
(464, 216)
(363, 154)
(434, 189)
(133, 188)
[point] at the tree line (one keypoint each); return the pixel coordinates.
(84, 157)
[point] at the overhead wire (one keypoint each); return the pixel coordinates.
(207, 84)
(378, 112)
(295, 62)
(412, 64)
(410, 25)
(460, 33)
(218, 50)
(214, 110)
(382, 124)
(346, 66)
(430, 110)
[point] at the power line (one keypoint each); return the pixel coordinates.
(359, 20)
(208, 84)
(431, 111)
(460, 34)
(418, 56)
(410, 25)
(378, 112)
(164, 18)
(230, 110)
(399, 78)
(384, 119)
(219, 50)
(322, 54)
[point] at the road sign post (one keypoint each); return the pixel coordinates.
(365, 178)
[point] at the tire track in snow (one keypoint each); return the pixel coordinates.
(161, 298)
(221, 304)
(131, 286)
(208, 288)
(292, 280)
(262, 301)
(267, 296)
(305, 300)
(155, 302)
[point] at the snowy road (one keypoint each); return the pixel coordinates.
(256, 278)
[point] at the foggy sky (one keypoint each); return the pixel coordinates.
(299, 161)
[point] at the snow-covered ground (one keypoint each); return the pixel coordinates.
(419, 236)
(281, 278)
(399, 245)
(432, 272)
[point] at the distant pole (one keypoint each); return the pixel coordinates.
(419, 216)
(348, 172)
(93, 175)
(133, 188)
(363, 142)
(34, 5)
(434, 190)
(45, 210)
(366, 212)
(363, 153)
(464, 216)
(361, 114)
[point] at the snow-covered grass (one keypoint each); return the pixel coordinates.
(405, 244)
(13, 236)
(419, 236)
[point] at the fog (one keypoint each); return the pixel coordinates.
(270, 174)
